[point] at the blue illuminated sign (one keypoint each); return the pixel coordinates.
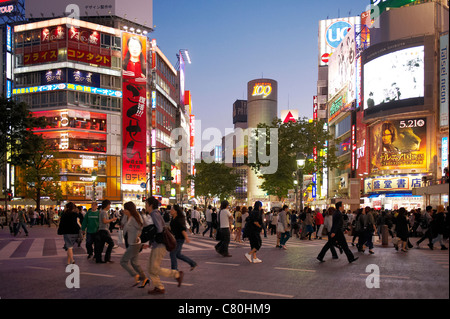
(67, 86)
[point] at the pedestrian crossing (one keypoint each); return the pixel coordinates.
(16, 248)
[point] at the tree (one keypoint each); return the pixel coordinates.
(305, 137)
(215, 180)
(40, 170)
(16, 126)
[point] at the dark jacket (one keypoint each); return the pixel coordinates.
(338, 222)
(68, 223)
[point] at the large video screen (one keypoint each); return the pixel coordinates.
(394, 77)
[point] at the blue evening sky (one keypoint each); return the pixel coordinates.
(234, 41)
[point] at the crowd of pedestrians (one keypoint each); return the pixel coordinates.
(147, 229)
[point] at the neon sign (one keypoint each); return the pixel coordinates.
(67, 86)
(262, 89)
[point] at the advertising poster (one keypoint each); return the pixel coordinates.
(443, 81)
(399, 144)
(394, 77)
(134, 123)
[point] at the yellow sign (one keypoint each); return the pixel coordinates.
(264, 89)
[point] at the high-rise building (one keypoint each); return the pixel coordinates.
(262, 107)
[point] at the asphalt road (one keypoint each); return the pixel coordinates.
(34, 267)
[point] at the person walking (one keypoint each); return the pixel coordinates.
(283, 227)
(328, 223)
(309, 223)
(104, 236)
(195, 221)
(337, 236)
(158, 251)
(425, 224)
(69, 227)
(438, 225)
(89, 227)
(369, 228)
(208, 217)
(402, 228)
(238, 225)
(131, 231)
(179, 230)
(225, 220)
(253, 228)
(22, 220)
(319, 223)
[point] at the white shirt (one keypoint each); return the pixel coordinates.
(208, 215)
(224, 216)
(195, 214)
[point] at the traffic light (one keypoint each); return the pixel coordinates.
(143, 198)
(9, 194)
(166, 178)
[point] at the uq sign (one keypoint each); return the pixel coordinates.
(337, 32)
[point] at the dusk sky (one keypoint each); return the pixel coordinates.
(234, 41)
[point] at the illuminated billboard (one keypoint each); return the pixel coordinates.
(331, 34)
(342, 75)
(134, 114)
(399, 144)
(395, 79)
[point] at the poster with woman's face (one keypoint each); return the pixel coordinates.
(134, 53)
(399, 144)
(134, 115)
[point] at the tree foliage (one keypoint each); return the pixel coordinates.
(302, 137)
(40, 170)
(215, 180)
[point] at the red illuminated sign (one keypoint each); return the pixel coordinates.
(89, 57)
(85, 36)
(53, 34)
(134, 113)
(40, 57)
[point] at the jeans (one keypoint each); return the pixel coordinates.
(90, 242)
(210, 228)
(284, 238)
(176, 254)
(195, 226)
(131, 255)
(102, 238)
(17, 228)
(154, 266)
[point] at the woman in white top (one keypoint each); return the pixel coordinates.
(225, 220)
(132, 231)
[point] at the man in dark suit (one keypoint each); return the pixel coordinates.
(337, 236)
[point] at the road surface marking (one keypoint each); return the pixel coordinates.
(390, 276)
(99, 275)
(295, 269)
(265, 293)
(224, 264)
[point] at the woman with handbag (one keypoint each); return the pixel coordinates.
(69, 227)
(131, 231)
(178, 228)
(158, 251)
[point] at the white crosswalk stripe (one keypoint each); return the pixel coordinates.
(53, 247)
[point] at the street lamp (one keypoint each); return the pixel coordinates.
(94, 179)
(301, 160)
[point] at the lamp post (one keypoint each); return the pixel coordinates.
(94, 179)
(301, 160)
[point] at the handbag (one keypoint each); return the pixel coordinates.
(168, 239)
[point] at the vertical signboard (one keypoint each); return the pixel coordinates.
(134, 115)
(443, 81)
(192, 144)
(182, 66)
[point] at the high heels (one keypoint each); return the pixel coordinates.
(144, 283)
